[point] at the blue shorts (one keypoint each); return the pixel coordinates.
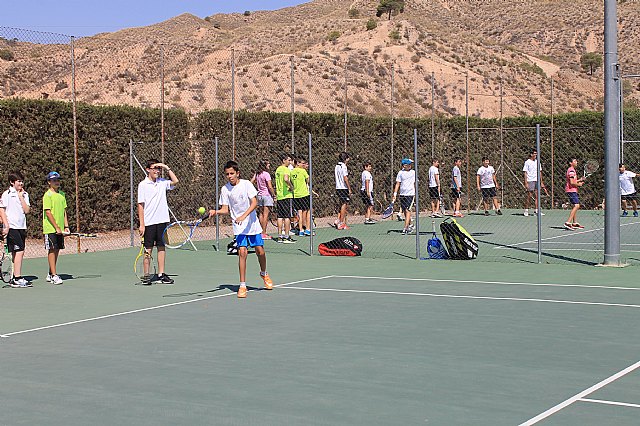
(249, 240)
(573, 197)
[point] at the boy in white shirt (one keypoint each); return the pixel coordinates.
(434, 188)
(406, 188)
(488, 185)
(530, 170)
(366, 192)
(14, 205)
(628, 190)
(343, 190)
(153, 215)
(456, 186)
(238, 199)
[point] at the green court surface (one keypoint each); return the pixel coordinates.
(339, 341)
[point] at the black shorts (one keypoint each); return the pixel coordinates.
(302, 203)
(489, 192)
(434, 194)
(365, 198)
(455, 194)
(153, 235)
(53, 241)
(630, 197)
(285, 208)
(405, 201)
(343, 196)
(16, 239)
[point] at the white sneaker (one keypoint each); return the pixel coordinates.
(526, 212)
(536, 212)
(56, 280)
(49, 278)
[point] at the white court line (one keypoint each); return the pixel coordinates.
(578, 249)
(580, 395)
(571, 243)
(458, 296)
(151, 308)
(435, 280)
(600, 401)
(572, 233)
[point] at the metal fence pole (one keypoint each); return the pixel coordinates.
(502, 166)
(131, 194)
(466, 94)
(417, 186)
(539, 195)
(346, 88)
(392, 117)
(433, 114)
(553, 157)
(162, 104)
(75, 141)
(215, 202)
(293, 107)
(311, 225)
(233, 104)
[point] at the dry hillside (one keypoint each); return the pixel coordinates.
(514, 44)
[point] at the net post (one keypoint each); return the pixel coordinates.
(311, 225)
(539, 194)
(417, 187)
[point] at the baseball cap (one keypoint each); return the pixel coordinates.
(53, 175)
(406, 161)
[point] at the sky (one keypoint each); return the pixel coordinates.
(88, 17)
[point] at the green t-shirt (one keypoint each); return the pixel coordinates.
(299, 179)
(282, 189)
(55, 202)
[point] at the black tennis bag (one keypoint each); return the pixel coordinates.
(460, 244)
(343, 246)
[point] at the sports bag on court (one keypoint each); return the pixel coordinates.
(343, 246)
(460, 244)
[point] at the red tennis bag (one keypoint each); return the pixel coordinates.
(343, 246)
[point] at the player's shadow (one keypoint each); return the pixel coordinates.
(66, 277)
(233, 288)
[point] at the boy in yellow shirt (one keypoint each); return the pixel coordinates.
(54, 223)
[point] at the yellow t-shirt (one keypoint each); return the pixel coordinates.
(282, 189)
(56, 202)
(299, 179)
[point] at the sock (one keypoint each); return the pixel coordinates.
(243, 284)
(263, 273)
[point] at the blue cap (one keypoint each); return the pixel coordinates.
(53, 175)
(407, 161)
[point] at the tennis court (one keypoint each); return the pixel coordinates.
(339, 341)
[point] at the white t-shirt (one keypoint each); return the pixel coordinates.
(433, 171)
(407, 179)
(238, 198)
(340, 172)
(13, 208)
(531, 167)
(154, 197)
(366, 176)
(456, 177)
(486, 176)
(626, 183)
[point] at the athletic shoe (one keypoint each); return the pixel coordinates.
(20, 283)
(577, 226)
(399, 216)
(343, 227)
(266, 236)
(49, 278)
(164, 279)
(486, 213)
(300, 234)
(293, 232)
(410, 229)
(369, 221)
(569, 226)
(56, 280)
(242, 292)
(268, 284)
(625, 213)
(536, 212)
(146, 280)
(288, 240)
(307, 233)
(336, 223)
(526, 212)
(279, 239)
(498, 212)
(635, 214)
(437, 214)
(404, 232)
(458, 214)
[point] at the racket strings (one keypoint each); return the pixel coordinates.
(591, 166)
(177, 234)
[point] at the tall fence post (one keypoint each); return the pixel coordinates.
(553, 154)
(131, 193)
(75, 141)
(162, 104)
(538, 193)
(215, 202)
(233, 104)
(392, 117)
(502, 166)
(346, 98)
(417, 185)
(293, 106)
(433, 115)
(311, 224)
(466, 114)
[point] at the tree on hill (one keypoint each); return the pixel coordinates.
(590, 61)
(390, 7)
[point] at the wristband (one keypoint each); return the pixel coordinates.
(395, 193)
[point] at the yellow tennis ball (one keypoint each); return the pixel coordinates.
(201, 210)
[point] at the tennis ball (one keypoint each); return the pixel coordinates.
(201, 210)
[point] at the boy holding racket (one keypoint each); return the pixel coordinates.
(153, 214)
(343, 190)
(628, 190)
(238, 199)
(406, 188)
(14, 205)
(54, 224)
(530, 171)
(366, 192)
(434, 188)
(488, 185)
(571, 188)
(456, 186)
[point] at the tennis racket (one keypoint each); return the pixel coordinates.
(80, 235)
(590, 167)
(179, 233)
(387, 212)
(144, 259)
(442, 209)
(6, 263)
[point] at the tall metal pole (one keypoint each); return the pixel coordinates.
(311, 198)
(415, 162)
(162, 103)
(502, 146)
(539, 195)
(392, 115)
(131, 199)
(553, 158)
(433, 115)
(611, 136)
(233, 104)
(215, 202)
(293, 108)
(466, 113)
(75, 140)
(346, 99)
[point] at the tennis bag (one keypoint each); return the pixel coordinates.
(460, 244)
(343, 246)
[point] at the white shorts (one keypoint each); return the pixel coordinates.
(265, 201)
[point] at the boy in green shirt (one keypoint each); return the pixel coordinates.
(301, 199)
(284, 195)
(54, 223)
